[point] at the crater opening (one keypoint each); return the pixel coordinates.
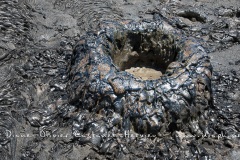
(145, 55)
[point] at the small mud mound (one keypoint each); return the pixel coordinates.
(99, 83)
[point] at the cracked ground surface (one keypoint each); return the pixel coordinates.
(37, 39)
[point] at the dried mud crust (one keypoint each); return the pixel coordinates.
(144, 73)
(99, 83)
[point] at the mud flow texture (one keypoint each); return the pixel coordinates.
(103, 83)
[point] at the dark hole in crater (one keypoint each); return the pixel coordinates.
(238, 14)
(145, 55)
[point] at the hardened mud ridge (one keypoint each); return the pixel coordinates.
(109, 98)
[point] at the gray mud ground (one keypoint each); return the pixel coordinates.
(37, 38)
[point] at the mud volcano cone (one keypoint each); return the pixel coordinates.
(144, 77)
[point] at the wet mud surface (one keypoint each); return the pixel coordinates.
(40, 119)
